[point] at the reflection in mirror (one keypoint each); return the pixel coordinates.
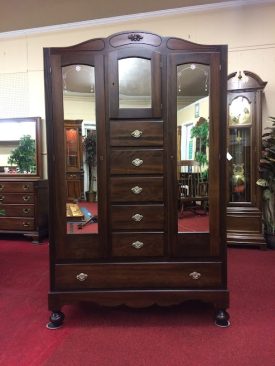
(18, 146)
(134, 83)
(80, 149)
(192, 147)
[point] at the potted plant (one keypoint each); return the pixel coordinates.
(89, 145)
(23, 156)
(201, 132)
(267, 182)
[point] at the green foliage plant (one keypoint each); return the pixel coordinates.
(89, 145)
(23, 156)
(201, 132)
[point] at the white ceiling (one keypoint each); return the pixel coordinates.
(28, 14)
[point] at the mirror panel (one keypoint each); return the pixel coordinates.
(80, 134)
(193, 147)
(19, 146)
(135, 77)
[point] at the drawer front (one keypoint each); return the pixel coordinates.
(73, 176)
(137, 161)
(16, 187)
(16, 198)
(20, 224)
(137, 244)
(137, 217)
(17, 210)
(138, 275)
(136, 133)
(132, 189)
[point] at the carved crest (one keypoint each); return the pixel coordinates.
(134, 37)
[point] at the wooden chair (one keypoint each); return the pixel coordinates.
(193, 190)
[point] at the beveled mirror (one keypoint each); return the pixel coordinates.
(20, 147)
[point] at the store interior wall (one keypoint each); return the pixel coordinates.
(247, 30)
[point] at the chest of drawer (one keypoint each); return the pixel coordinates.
(136, 133)
(137, 217)
(17, 210)
(16, 187)
(132, 189)
(16, 198)
(138, 161)
(137, 244)
(138, 275)
(20, 224)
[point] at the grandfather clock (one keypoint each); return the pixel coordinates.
(244, 121)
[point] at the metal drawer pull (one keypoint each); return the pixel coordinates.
(26, 224)
(136, 190)
(1, 187)
(137, 217)
(26, 187)
(195, 275)
(136, 134)
(137, 162)
(137, 244)
(2, 198)
(26, 210)
(82, 277)
(26, 198)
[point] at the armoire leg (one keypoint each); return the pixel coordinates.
(222, 318)
(56, 320)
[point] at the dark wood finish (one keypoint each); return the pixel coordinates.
(244, 219)
(132, 262)
(25, 206)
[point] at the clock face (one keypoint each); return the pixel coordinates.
(240, 111)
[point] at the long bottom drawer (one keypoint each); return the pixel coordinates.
(16, 223)
(138, 275)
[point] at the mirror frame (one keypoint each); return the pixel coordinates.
(37, 121)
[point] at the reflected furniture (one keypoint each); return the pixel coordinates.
(244, 212)
(74, 159)
(138, 256)
(23, 195)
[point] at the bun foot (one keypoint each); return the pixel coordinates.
(222, 319)
(56, 320)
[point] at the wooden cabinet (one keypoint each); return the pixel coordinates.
(23, 192)
(244, 214)
(24, 207)
(139, 90)
(74, 160)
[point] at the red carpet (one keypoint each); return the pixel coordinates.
(92, 336)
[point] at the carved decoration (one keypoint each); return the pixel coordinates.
(134, 37)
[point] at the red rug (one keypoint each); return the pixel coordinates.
(93, 336)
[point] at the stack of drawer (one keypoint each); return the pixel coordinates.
(136, 169)
(24, 207)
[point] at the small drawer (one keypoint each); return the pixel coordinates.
(73, 176)
(136, 133)
(16, 187)
(137, 217)
(16, 198)
(132, 189)
(138, 161)
(174, 275)
(15, 224)
(17, 210)
(137, 244)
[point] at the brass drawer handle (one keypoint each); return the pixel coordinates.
(137, 244)
(2, 198)
(2, 186)
(195, 275)
(26, 198)
(136, 134)
(26, 187)
(81, 277)
(26, 224)
(26, 210)
(137, 162)
(137, 217)
(136, 190)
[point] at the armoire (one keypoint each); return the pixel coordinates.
(138, 90)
